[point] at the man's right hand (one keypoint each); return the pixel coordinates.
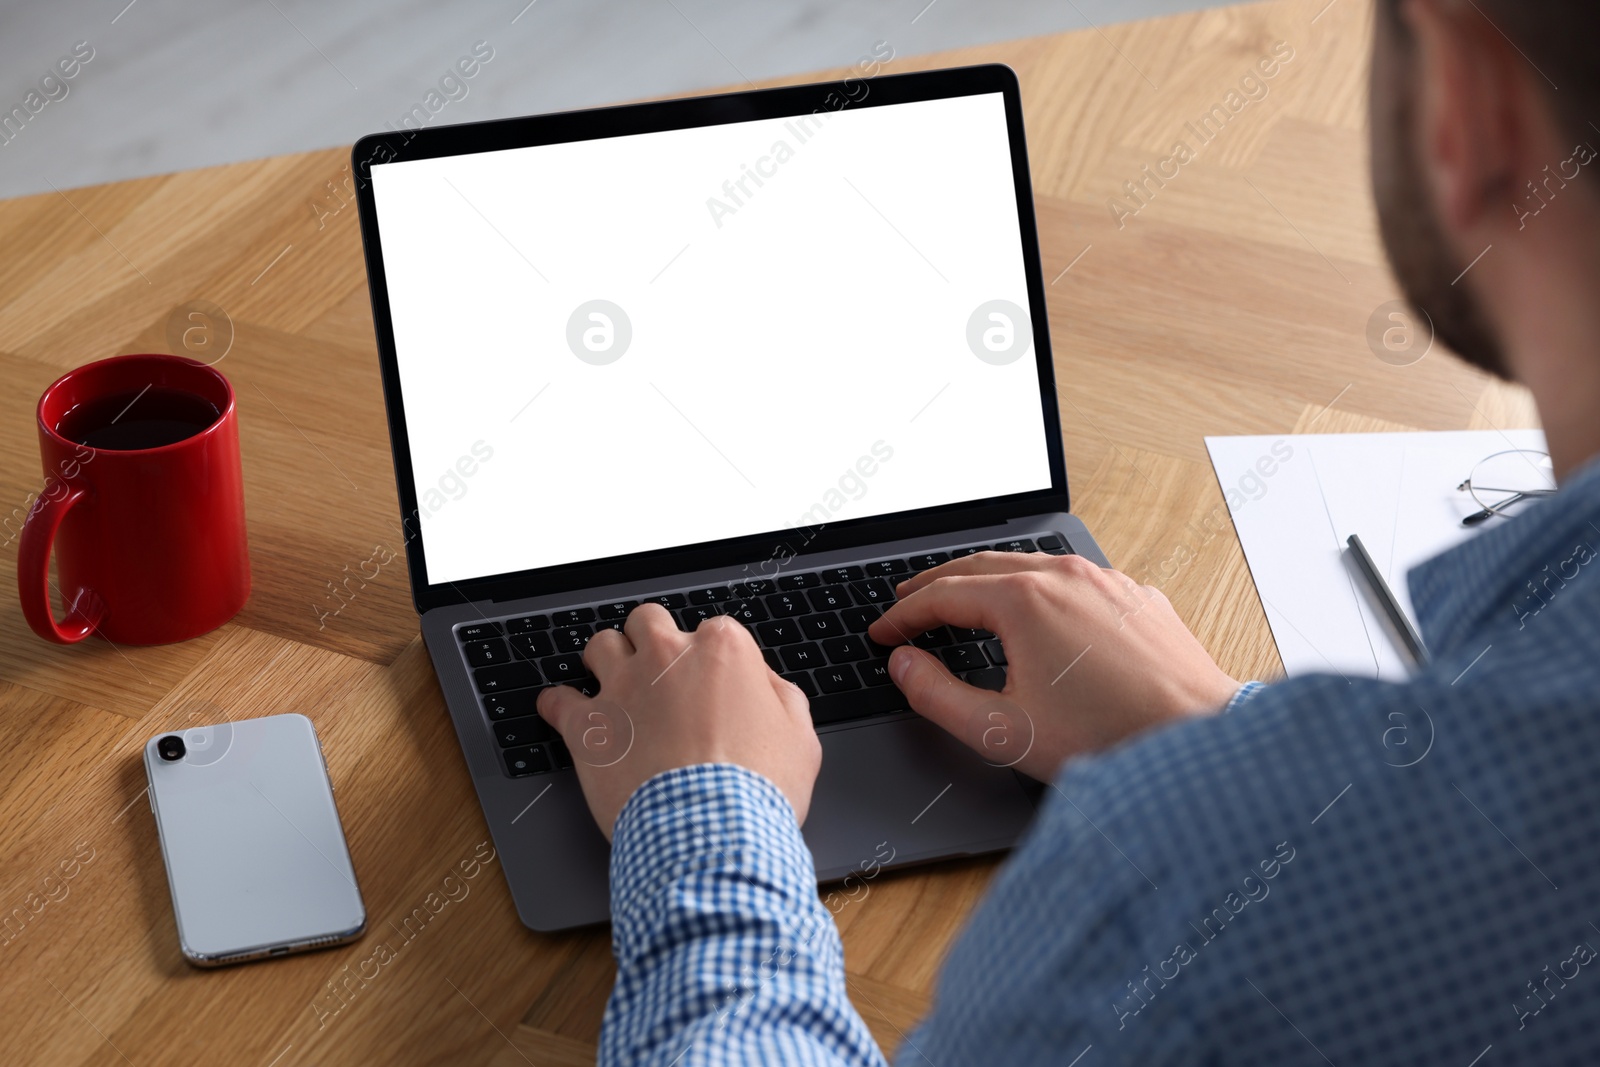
(1093, 657)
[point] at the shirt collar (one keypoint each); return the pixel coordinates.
(1511, 568)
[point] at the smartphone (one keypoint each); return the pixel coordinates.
(256, 858)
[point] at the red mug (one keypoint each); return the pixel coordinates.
(143, 503)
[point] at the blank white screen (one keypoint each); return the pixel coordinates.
(784, 335)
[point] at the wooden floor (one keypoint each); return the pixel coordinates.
(1236, 300)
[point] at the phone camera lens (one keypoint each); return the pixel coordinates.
(170, 748)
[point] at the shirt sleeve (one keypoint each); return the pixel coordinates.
(725, 954)
(1246, 691)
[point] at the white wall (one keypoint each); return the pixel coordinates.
(176, 84)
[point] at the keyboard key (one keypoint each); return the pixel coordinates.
(571, 638)
(772, 660)
(610, 624)
(715, 594)
(670, 601)
(802, 657)
(505, 676)
(748, 612)
(521, 761)
(523, 732)
(816, 627)
(616, 610)
(485, 653)
(935, 638)
(527, 624)
(778, 632)
(787, 604)
(830, 598)
(993, 678)
(516, 704)
(886, 567)
(837, 679)
(478, 631)
(755, 587)
(928, 559)
(873, 591)
(973, 551)
(874, 673)
(562, 668)
(856, 704)
(963, 658)
(878, 651)
(803, 680)
(1021, 544)
(573, 617)
(690, 618)
(559, 754)
(791, 582)
(843, 575)
(845, 649)
(588, 686)
(963, 633)
(1051, 543)
(534, 645)
(856, 620)
(996, 654)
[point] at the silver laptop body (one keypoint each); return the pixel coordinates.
(762, 355)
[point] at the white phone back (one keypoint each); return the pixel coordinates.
(255, 855)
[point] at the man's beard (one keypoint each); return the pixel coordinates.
(1418, 251)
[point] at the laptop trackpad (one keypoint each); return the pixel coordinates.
(911, 787)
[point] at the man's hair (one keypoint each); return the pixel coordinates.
(1557, 38)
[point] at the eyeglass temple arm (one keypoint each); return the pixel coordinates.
(1486, 514)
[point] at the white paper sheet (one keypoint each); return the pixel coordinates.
(1296, 498)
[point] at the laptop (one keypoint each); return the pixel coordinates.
(762, 355)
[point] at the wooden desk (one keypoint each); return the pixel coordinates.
(1235, 300)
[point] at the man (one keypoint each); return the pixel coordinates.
(1333, 869)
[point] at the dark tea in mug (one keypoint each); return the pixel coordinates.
(146, 418)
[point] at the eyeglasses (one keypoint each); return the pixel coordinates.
(1505, 479)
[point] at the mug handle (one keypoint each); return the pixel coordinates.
(33, 575)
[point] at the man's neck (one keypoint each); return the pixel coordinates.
(1546, 297)
(1568, 397)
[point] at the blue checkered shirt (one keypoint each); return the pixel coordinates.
(1338, 871)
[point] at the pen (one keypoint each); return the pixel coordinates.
(1391, 607)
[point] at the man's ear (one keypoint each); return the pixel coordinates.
(1472, 85)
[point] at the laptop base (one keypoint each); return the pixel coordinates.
(892, 786)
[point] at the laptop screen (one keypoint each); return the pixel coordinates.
(644, 342)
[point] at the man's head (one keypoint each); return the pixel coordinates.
(1471, 101)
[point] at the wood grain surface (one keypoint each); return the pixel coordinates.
(1234, 296)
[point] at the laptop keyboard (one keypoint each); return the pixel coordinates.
(811, 628)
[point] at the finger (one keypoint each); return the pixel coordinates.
(561, 706)
(649, 624)
(791, 696)
(974, 601)
(936, 694)
(977, 563)
(724, 629)
(606, 651)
